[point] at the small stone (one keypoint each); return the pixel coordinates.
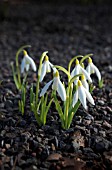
(53, 147)
(101, 102)
(89, 117)
(106, 124)
(109, 109)
(8, 104)
(86, 122)
(34, 154)
(7, 146)
(108, 156)
(102, 133)
(54, 157)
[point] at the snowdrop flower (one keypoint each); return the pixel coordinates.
(91, 68)
(26, 62)
(46, 68)
(81, 94)
(84, 82)
(78, 70)
(57, 85)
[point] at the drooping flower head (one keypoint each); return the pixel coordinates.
(56, 85)
(26, 62)
(46, 68)
(84, 82)
(81, 94)
(79, 70)
(91, 68)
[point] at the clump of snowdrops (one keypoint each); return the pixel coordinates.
(67, 98)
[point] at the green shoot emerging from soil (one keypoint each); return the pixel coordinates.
(66, 96)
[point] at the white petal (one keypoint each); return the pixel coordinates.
(27, 66)
(43, 71)
(89, 97)
(75, 71)
(91, 69)
(85, 84)
(76, 80)
(72, 73)
(45, 88)
(54, 70)
(88, 69)
(23, 65)
(48, 68)
(61, 91)
(86, 74)
(55, 83)
(30, 61)
(50, 64)
(82, 96)
(75, 98)
(97, 71)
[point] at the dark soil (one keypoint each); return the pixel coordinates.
(65, 31)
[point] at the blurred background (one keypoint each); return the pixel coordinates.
(63, 27)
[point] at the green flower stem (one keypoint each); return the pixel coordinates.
(25, 77)
(37, 89)
(85, 57)
(66, 112)
(39, 73)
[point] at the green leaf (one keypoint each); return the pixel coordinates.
(71, 113)
(46, 111)
(21, 107)
(59, 109)
(15, 77)
(101, 83)
(37, 118)
(23, 94)
(31, 94)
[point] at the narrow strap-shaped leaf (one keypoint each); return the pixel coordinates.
(15, 78)
(72, 111)
(59, 109)
(46, 111)
(38, 119)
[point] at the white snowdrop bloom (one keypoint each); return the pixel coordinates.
(81, 94)
(46, 68)
(56, 85)
(91, 68)
(84, 82)
(26, 62)
(79, 70)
